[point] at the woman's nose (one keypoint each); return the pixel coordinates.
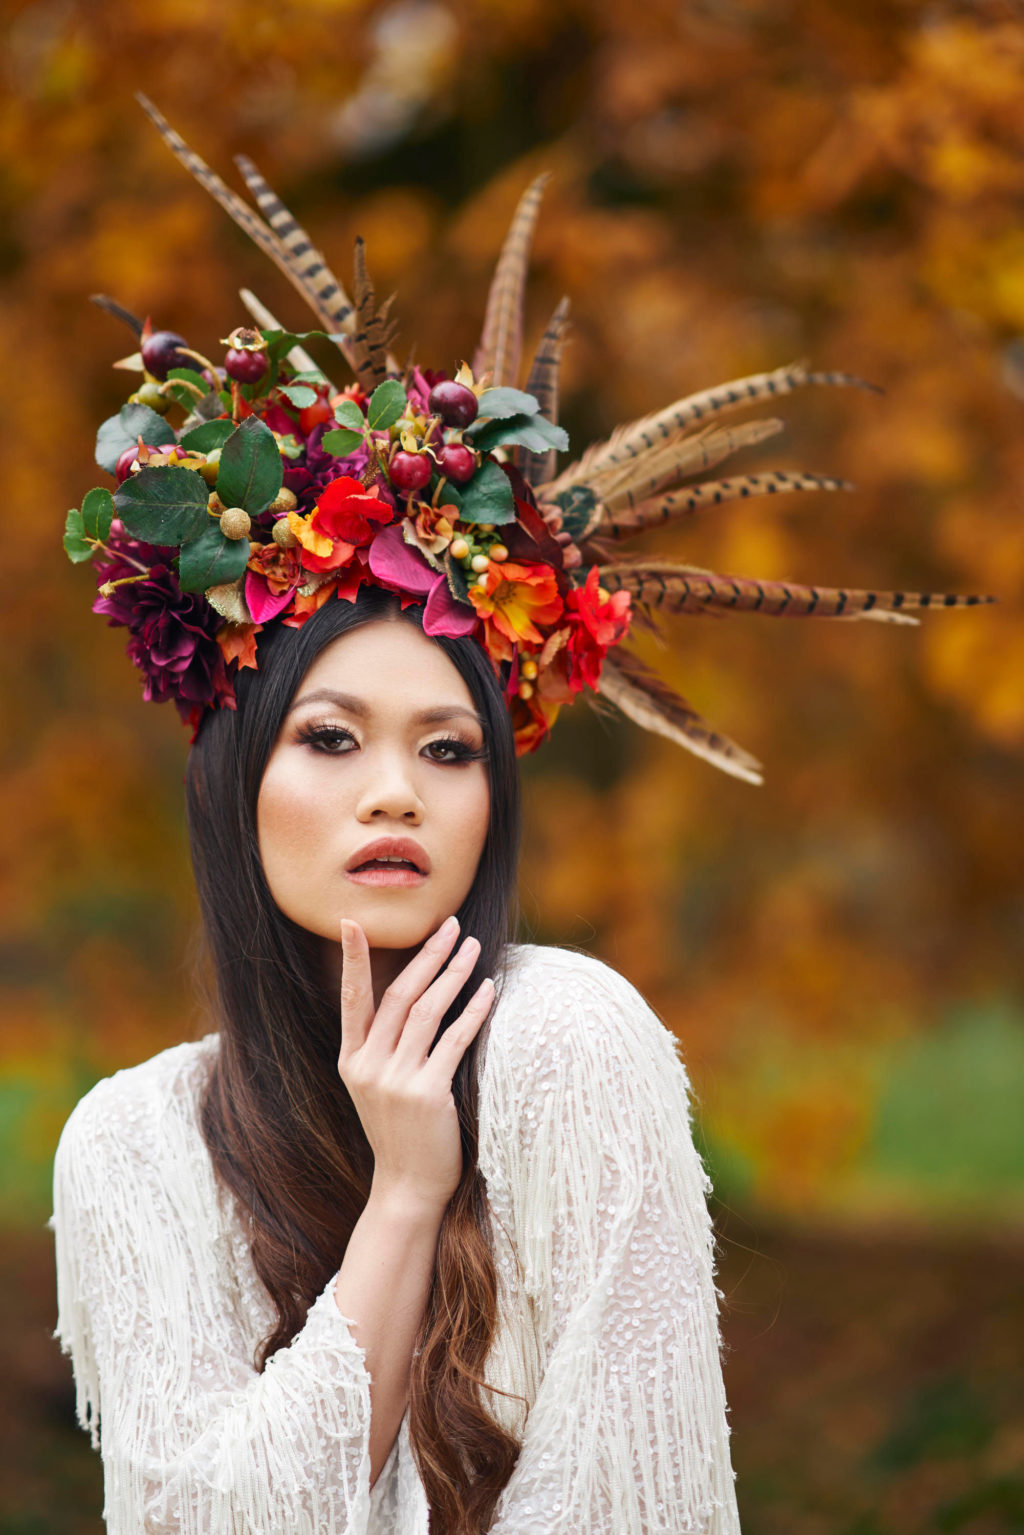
(390, 790)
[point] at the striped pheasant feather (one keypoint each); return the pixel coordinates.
(672, 587)
(287, 245)
(502, 338)
(632, 686)
(649, 432)
(704, 497)
(543, 385)
(373, 329)
(637, 479)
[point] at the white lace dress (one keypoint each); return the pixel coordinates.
(610, 1331)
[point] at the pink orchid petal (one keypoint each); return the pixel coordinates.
(444, 615)
(392, 559)
(261, 601)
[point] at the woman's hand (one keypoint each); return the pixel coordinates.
(403, 1096)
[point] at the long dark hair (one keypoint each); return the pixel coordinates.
(274, 1098)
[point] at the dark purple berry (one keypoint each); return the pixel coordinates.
(456, 462)
(456, 404)
(160, 353)
(245, 367)
(409, 471)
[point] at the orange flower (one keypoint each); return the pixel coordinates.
(341, 521)
(512, 599)
(532, 719)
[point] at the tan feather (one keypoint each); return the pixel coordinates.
(501, 342)
(319, 294)
(543, 385)
(635, 480)
(672, 587)
(373, 331)
(700, 498)
(637, 437)
(635, 688)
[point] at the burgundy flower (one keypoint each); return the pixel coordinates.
(173, 633)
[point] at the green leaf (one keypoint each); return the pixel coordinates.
(308, 376)
(165, 505)
(290, 446)
(251, 472)
(186, 397)
(75, 546)
(97, 513)
(121, 431)
(533, 432)
(387, 405)
(501, 402)
(210, 435)
(279, 342)
(299, 395)
(349, 414)
(457, 583)
(341, 443)
(488, 496)
(211, 560)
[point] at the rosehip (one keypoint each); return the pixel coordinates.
(456, 462)
(245, 367)
(409, 471)
(160, 353)
(312, 415)
(235, 522)
(124, 464)
(456, 404)
(149, 394)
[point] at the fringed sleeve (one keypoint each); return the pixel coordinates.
(193, 1439)
(585, 1132)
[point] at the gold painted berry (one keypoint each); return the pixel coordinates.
(235, 522)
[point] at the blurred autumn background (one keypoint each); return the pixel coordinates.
(735, 186)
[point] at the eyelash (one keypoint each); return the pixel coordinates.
(313, 733)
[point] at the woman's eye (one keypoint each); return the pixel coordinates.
(324, 737)
(455, 749)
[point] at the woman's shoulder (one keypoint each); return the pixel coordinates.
(124, 1110)
(559, 999)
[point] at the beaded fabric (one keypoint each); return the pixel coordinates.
(607, 1305)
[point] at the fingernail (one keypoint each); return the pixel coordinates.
(449, 924)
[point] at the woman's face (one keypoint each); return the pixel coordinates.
(357, 759)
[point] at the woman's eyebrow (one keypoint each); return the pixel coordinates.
(358, 705)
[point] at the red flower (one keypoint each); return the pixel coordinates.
(341, 522)
(598, 621)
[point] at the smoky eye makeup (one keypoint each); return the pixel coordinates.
(327, 737)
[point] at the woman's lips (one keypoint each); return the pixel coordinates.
(399, 875)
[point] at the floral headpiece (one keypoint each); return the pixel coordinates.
(277, 492)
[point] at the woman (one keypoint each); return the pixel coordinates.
(381, 1199)
(419, 1228)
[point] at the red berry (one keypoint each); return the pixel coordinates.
(456, 404)
(125, 462)
(456, 462)
(409, 471)
(245, 367)
(312, 415)
(160, 353)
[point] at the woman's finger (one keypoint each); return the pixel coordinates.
(452, 1046)
(426, 1012)
(356, 988)
(408, 986)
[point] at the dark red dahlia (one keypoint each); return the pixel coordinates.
(173, 633)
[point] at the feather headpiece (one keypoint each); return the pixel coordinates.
(277, 492)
